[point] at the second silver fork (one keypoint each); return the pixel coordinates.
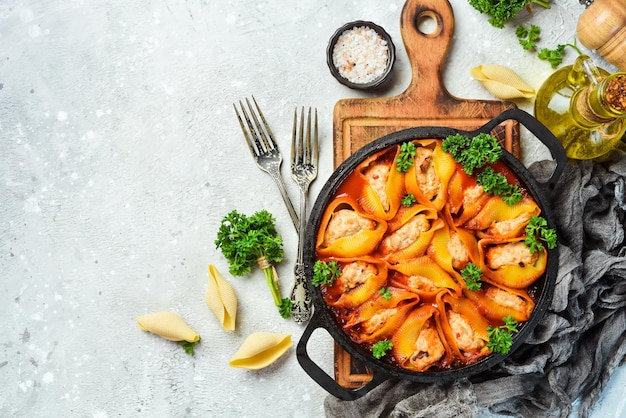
(304, 162)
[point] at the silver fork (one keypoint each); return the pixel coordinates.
(264, 150)
(304, 156)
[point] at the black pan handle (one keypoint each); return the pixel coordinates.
(321, 377)
(540, 131)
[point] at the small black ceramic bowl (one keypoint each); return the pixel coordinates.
(361, 55)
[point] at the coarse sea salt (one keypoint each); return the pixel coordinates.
(361, 55)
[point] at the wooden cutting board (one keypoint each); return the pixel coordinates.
(427, 28)
(426, 102)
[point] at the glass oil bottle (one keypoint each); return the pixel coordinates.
(585, 108)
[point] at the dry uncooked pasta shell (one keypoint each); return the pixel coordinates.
(221, 299)
(502, 82)
(167, 325)
(260, 350)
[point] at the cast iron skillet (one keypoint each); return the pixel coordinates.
(323, 318)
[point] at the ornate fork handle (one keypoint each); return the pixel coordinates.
(300, 296)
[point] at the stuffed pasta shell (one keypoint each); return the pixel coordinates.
(346, 231)
(383, 184)
(512, 263)
(410, 233)
(418, 344)
(497, 302)
(427, 179)
(359, 280)
(380, 316)
(465, 329)
(423, 276)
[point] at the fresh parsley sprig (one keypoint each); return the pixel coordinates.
(503, 11)
(380, 348)
(472, 274)
(528, 37)
(405, 159)
(249, 240)
(472, 153)
(325, 272)
(537, 231)
(500, 338)
(497, 184)
(555, 56)
(189, 346)
(385, 293)
(408, 200)
(456, 145)
(285, 308)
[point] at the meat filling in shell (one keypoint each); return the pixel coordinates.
(377, 177)
(425, 173)
(406, 235)
(421, 283)
(465, 336)
(378, 320)
(510, 254)
(428, 349)
(506, 299)
(345, 223)
(458, 252)
(504, 228)
(355, 274)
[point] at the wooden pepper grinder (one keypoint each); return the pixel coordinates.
(602, 27)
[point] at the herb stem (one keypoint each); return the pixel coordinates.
(272, 283)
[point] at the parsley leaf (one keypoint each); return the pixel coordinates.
(497, 184)
(472, 153)
(472, 274)
(514, 197)
(528, 37)
(408, 200)
(502, 11)
(404, 161)
(537, 231)
(285, 308)
(189, 346)
(553, 56)
(456, 145)
(380, 348)
(385, 293)
(500, 338)
(325, 272)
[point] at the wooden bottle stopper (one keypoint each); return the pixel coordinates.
(602, 27)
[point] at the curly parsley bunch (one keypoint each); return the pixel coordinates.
(249, 240)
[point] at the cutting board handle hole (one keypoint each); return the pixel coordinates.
(428, 23)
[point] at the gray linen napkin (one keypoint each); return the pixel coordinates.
(575, 348)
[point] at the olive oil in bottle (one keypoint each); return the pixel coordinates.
(584, 107)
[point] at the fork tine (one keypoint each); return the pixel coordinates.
(294, 138)
(314, 159)
(254, 132)
(268, 139)
(243, 128)
(260, 137)
(301, 140)
(307, 145)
